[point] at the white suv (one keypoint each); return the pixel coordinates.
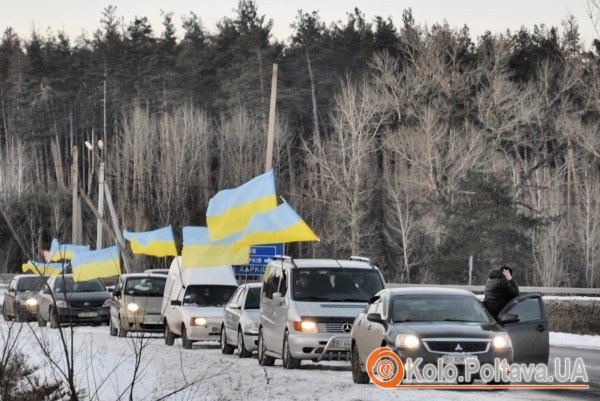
(308, 307)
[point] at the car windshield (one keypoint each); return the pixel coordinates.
(436, 308)
(208, 295)
(145, 286)
(30, 284)
(69, 285)
(253, 298)
(335, 284)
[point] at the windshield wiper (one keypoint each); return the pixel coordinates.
(314, 299)
(461, 320)
(351, 300)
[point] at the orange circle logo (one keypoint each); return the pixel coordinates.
(385, 368)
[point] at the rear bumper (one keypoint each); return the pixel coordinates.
(91, 315)
(325, 347)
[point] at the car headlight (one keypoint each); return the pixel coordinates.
(61, 304)
(198, 321)
(306, 326)
(31, 302)
(407, 341)
(502, 342)
(133, 307)
(252, 327)
(106, 303)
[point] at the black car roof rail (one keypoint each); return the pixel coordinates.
(285, 257)
(362, 259)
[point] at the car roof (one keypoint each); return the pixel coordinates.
(426, 291)
(323, 263)
(251, 285)
(139, 275)
(18, 276)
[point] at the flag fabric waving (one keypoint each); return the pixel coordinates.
(279, 225)
(42, 269)
(65, 251)
(230, 210)
(200, 251)
(96, 264)
(157, 243)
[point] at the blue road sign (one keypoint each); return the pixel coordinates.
(260, 255)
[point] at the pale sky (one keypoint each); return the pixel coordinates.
(77, 16)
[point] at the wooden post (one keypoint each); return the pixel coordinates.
(271, 129)
(100, 205)
(76, 223)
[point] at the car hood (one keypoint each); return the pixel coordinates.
(326, 309)
(146, 304)
(447, 329)
(83, 296)
(252, 315)
(203, 311)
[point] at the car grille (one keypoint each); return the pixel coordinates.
(82, 304)
(456, 346)
(334, 327)
(329, 355)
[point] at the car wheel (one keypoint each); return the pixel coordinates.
(263, 359)
(187, 344)
(112, 330)
(54, 319)
(242, 351)
(40, 320)
(289, 362)
(122, 332)
(169, 336)
(5, 314)
(358, 376)
(225, 347)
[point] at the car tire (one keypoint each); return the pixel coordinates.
(263, 359)
(241, 346)
(186, 343)
(169, 336)
(54, 319)
(121, 332)
(358, 376)
(225, 347)
(5, 315)
(289, 362)
(40, 320)
(112, 330)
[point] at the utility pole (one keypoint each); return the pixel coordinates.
(76, 229)
(116, 227)
(271, 129)
(470, 270)
(100, 204)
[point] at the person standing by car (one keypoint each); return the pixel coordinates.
(500, 289)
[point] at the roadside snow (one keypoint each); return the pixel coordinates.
(574, 340)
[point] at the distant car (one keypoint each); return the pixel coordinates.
(449, 323)
(83, 302)
(157, 271)
(241, 321)
(194, 302)
(308, 306)
(20, 300)
(136, 304)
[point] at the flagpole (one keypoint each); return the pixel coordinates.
(271, 129)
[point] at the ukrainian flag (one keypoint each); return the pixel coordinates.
(42, 269)
(200, 251)
(279, 225)
(96, 264)
(230, 210)
(157, 243)
(65, 251)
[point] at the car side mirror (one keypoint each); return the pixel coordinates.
(175, 302)
(508, 318)
(12, 290)
(375, 318)
(235, 306)
(278, 298)
(46, 291)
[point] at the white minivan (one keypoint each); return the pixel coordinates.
(194, 301)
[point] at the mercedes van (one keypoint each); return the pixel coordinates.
(194, 302)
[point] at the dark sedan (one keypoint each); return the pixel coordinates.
(432, 323)
(68, 301)
(20, 298)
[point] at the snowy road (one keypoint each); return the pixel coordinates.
(104, 366)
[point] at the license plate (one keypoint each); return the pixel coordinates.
(87, 314)
(340, 343)
(215, 330)
(151, 320)
(456, 359)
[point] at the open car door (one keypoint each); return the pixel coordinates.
(530, 335)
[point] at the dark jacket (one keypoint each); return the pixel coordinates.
(498, 292)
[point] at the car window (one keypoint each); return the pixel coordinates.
(373, 307)
(268, 283)
(13, 284)
(145, 286)
(528, 310)
(283, 284)
(437, 308)
(67, 284)
(235, 298)
(33, 283)
(207, 295)
(272, 283)
(253, 298)
(335, 284)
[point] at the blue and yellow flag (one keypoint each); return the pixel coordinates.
(42, 269)
(96, 264)
(200, 251)
(65, 251)
(230, 210)
(279, 225)
(157, 243)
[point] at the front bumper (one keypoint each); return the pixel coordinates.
(88, 315)
(210, 332)
(27, 311)
(251, 341)
(146, 322)
(320, 347)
